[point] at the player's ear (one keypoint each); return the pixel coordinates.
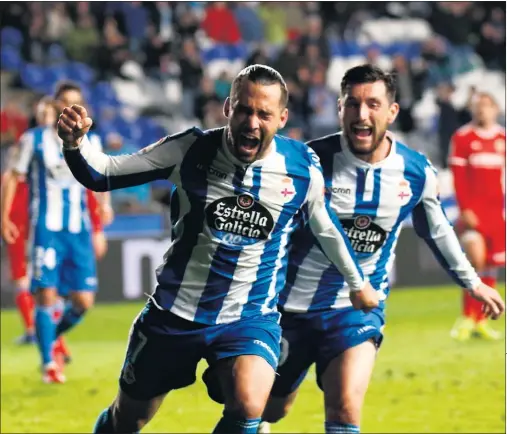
(227, 107)
(339, 104)
(394, 109)
(284, 117)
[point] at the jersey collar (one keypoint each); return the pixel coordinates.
(360, 163)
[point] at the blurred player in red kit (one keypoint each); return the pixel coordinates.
(477, 161)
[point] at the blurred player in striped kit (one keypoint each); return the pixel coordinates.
(241, 192)
(62, 256)
(19, 216)
(373, 183)
(477, 161)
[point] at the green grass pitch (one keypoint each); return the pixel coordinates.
(423, 381)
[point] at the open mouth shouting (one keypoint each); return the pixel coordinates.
(248, 145)
(362, 132)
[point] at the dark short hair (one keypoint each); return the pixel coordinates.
(65, 85)
(264, 75)
(368, 73)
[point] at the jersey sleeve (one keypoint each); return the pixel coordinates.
(431, 224)
(100, 172)
(328, 230)
(458, 163)
(21, 161)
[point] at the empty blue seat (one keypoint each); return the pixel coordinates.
(10, 59)
(11, 36)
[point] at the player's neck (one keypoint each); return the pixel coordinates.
(484, 126)
(379, 154)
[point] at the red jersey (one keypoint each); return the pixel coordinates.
(477, 161)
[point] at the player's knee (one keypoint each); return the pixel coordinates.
(249, 406)
(45, 296)
(83, 300)
(345, 410)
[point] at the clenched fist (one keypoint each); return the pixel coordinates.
(73, 124)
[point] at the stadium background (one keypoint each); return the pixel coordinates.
(153, 68)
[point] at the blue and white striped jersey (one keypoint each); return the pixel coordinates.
(57, 200)
(371, 201)
(233, 221)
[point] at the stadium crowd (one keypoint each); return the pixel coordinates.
(170, 45)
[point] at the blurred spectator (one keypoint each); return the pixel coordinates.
(132, 199)
(298, 103)
(82, 42)
(438, 62)
(191, 74)
(457, 13)
(13, 123)
(185, 20)
(220, 24)
(491, 46)
(408, 91)
(288, 60)
(274, 18)
(162, 19)
(214, 115)
(323, 103)
(449, 119)
(112, 53)
(249, 23)
(258, 57)
(136, 22)
(313, 58)
(223, 85)
(35, 45)
(154, 48)
(295, 13)
(59, 23)
(314, 36)
(205, 95)
(295, 132)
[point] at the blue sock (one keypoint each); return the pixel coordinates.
(104, 423)
(339, 428)
(71, 317)
(45, 329)
(232, 423)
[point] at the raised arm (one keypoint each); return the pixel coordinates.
(431, 224)
(100, 172)
(334, 242)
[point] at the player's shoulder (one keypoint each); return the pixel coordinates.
(326, 145)
(415, 162)
(463, 132)
(292, 147)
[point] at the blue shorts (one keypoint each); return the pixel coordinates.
(319, 337)
(164, 349)
(63, 260)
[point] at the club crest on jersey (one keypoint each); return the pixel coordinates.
(404, 193)
(239, 220)
(366, 237)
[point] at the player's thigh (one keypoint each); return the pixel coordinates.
(156, 362)
(475, 247)
(345, 382)
(345, 360)
(246, 354)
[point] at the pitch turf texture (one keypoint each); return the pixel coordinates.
(423, 381)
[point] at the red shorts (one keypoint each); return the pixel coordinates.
(492, 229)
(17, 254)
